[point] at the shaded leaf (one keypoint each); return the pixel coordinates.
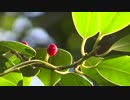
(8, 60)
(73, 79)
(3, 50)
(49, 77)
(121, 45)
(18, 47)
(30, 71)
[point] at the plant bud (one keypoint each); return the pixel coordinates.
(24, 42)
(52, 49)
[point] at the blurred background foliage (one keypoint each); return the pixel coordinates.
(40, 29)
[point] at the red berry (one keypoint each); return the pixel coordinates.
(24, 42)
(52, 49)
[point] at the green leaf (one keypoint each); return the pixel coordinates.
(48, 77)
(41, 53)
(4, 64)
(116, 70)
(100, 81)
(63, 57)
(3, 50)
(8, 60)
(12, 58)
(86, 23)
(111, 22)
(18, 47)
(73, 79)
(30, 71)
(26, 81)
(121, 45)
(5, 82)
(92, 72)
(11, 78)
(92, 61)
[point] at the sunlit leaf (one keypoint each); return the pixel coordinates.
(5, 82)
(86, 23)
(26, 81)
(12, 77)
(116, 70)
(110, 22)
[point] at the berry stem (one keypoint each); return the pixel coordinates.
(47, 57)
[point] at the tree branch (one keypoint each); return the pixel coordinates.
(44, 64)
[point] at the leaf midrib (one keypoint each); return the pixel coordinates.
(114, 47)
(114, 69)
(87, 24)
(109, 22)
(8, 81)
